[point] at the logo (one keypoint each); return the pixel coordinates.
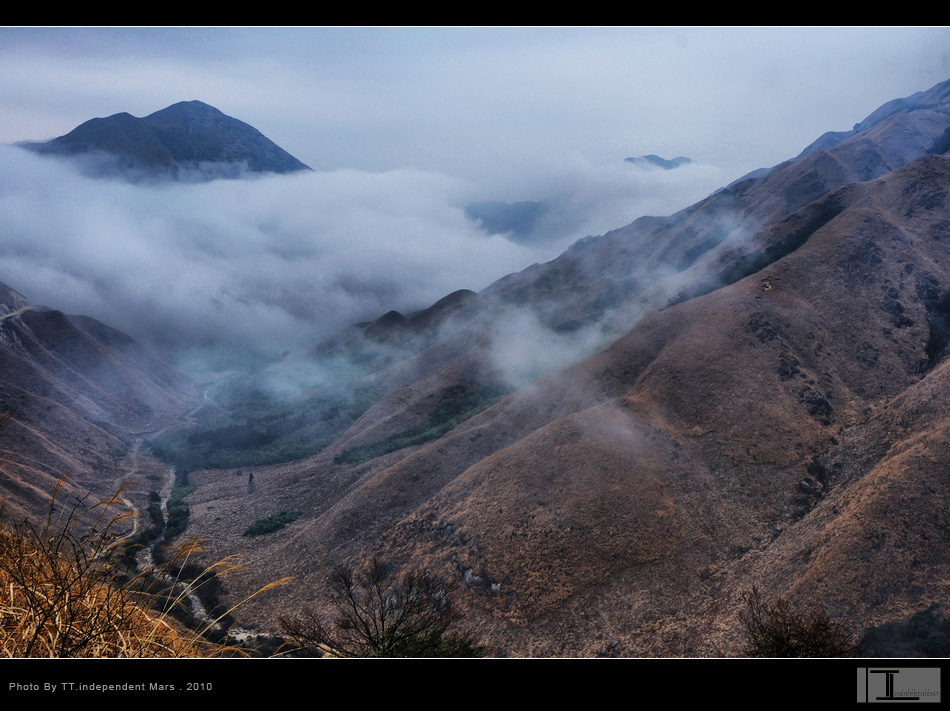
(898, 685)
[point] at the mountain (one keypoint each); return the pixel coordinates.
(609, 449)
(655, 160)
(184, 140)
(80, 394)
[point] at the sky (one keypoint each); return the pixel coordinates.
(403, 127)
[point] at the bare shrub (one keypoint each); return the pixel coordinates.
(377, 614)
(775, 629)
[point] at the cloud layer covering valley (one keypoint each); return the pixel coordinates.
(404, 127)
(275, 262)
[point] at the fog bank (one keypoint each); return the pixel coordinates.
(271, 263)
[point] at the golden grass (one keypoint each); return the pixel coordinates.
(62, 594)
(53, 609)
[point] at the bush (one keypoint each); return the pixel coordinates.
(925, 634)
(377, 615)
(457, 407)
(177, 507)
(271, 523)
(775, 629)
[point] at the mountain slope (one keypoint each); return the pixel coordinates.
(755, 399)
(79, 391)
(708, 434)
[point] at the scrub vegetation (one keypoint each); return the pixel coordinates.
(376, 613)
(774, 628)
(271, 523)
(255, 427)
(68, 593)
(450, 413)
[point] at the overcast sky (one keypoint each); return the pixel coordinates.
(404, 127)
(463, 101)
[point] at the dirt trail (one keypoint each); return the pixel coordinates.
(128, 477)
(17, 312)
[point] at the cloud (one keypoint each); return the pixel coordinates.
(483, 103)
(586, 197)
(522, 349)
(269, 263)
(264, 263)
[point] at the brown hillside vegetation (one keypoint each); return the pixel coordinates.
(776, 423)
(81, 392)
(62, 597)
(606, 452)
(51, 609)
(68, 589)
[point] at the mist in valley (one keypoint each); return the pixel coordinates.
(440, 164)
(451, 341)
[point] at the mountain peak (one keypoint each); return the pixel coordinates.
(187, 110)
(192, 104)
(186, 138)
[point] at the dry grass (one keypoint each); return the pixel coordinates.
(63, 594)
(51, 609)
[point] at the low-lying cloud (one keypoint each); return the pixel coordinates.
(271, 263)
(523, 349)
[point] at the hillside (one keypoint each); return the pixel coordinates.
(743, 393)
(79, 393)
(606, 450)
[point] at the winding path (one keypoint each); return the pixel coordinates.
(145, 558)
(17, 312)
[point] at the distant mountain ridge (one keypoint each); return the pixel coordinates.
(520, 219)
(187, 136)
(664, 163)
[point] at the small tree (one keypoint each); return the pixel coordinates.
(376, 614)
(774, 629)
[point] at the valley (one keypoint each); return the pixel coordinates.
(605, 452)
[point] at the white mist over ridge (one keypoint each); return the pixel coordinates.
(270, 263)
